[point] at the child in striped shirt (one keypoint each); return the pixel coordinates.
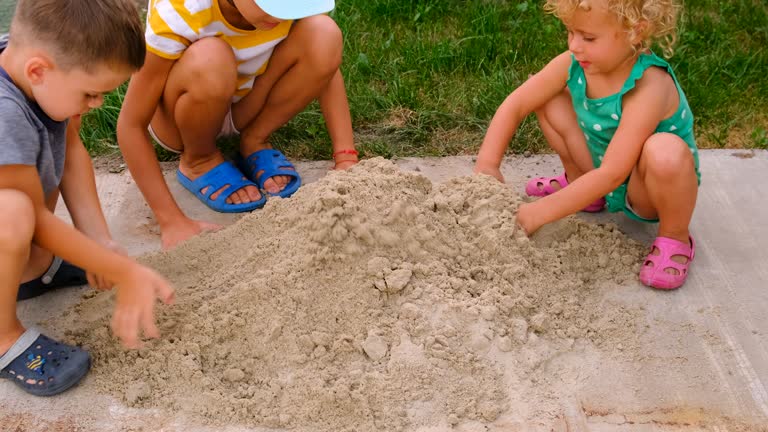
(222, 67)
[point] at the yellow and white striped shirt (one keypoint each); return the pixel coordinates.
(173, 25)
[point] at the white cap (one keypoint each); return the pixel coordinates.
(295, 9)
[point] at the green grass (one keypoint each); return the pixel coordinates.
(98, 128)
(424, 77)
(6, 12)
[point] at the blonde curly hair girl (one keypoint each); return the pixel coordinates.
(616, 115)
(655, 20)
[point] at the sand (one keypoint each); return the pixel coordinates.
(371, 300)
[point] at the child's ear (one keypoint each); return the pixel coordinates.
(35, 69)
(640, 32)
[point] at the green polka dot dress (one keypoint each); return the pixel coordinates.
(599, 118)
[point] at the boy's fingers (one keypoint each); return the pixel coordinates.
(125, 327)
(148, 322)
(521, 229)
(92, 282)
(104, 283)
(165, 292)
(97, 282)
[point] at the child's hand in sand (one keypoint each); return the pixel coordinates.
(178, 232)
(488, 169)
(99, 282)
(528, 217)
(135, 305)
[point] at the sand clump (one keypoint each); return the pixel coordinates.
(372, 300)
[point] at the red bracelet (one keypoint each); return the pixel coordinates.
(346, 151)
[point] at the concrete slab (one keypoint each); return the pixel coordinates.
(706, 366)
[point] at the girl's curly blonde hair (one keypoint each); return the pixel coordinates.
(660, 16)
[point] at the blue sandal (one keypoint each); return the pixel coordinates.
(221, 175)
(60, 274)
(43, 367)
(270, 163)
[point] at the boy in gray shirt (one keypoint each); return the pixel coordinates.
(60, 59)
(32, 138)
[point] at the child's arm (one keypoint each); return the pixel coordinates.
(643, 108)
(141, 101)
(78, 188)
(335, 108)
(138, 286)
(533, 93)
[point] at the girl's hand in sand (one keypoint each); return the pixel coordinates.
(528, 218)
(135, 305)
(100, 282)
(174, 234)
(487, 169)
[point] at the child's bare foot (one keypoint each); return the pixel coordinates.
(275, 184)
(198, 168)
(270, 169)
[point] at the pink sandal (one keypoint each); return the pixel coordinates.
(542, 186)
(653, 272)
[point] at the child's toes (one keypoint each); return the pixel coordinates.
(283, 181)
(253, 193)
(239, 197)
(271, 186)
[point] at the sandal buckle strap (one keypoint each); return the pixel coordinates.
(47, 277)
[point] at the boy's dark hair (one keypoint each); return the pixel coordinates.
(82, 33)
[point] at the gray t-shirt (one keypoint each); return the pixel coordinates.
(28, 136)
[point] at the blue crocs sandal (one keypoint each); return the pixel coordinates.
(60, 274)
(43, 367)
(273, 163)
(222, 174)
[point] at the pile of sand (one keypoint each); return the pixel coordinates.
(372, 300)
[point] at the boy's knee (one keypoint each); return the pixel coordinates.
(325, 43)
(212, 69)
(17, 220)
(666, 155)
